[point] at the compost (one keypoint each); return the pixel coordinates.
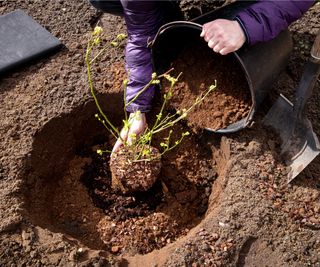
(200, 68)
(219, 200)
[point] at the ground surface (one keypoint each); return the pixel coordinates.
(51, 213)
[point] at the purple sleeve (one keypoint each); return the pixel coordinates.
(264, 20)
(143, 19)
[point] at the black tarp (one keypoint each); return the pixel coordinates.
(22, 40)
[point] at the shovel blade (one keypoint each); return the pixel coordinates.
(299, 145)
(304, 157)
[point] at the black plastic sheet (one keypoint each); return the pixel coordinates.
(23, 40)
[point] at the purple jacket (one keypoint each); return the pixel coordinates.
(261, 22)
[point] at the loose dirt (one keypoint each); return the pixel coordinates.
(200, 68)
(142, 222)
(224, 200)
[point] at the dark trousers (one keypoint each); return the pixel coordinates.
(108, 6)
(171, 8)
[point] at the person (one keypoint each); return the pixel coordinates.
(261, 21)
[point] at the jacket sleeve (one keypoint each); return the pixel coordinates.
(264, 20)
(143, 19)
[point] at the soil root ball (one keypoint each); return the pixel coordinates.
(129, 175)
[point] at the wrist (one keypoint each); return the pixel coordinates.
(243, 29)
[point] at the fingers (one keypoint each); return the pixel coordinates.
(213, 43)
(123, 138)
(226, 50)
(135, 131)
(130, 134)
(207, 35)
(223, 36)
(117, 146)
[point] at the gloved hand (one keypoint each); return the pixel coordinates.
(223, 36)
(137, 125)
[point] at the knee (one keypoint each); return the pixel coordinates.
(108, 6)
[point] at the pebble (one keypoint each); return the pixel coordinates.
(115, 249)
(33, 254)
(254, 148)
(224, 225)
(215, 236)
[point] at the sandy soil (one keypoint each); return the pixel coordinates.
(50, 210)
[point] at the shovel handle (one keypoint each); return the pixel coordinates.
(315, 51)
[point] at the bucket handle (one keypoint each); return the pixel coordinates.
(174, 24)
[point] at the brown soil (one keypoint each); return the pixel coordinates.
(135, 223)
(192, 9)
(52, 191)
(130, 175)
(200, 67)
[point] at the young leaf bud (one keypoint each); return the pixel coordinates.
(121, 36)
(97, 31)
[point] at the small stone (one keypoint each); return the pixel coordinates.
(33, 254)
(254, 148)
(302, 212)
(215, 236)
(277, 205)
(224, 225)
(115, 249)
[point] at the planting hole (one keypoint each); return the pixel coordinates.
(68, 186)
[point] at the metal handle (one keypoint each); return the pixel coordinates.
(315, 51)
(174, 24)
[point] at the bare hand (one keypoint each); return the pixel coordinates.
(137, 125)
(223, 36)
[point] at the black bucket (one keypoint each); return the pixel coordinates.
(260, 64)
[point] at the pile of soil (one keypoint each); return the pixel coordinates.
(201, 67)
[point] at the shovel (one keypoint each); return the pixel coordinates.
(300, 144)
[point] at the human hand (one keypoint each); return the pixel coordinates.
(130, 133)
(223, 36)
